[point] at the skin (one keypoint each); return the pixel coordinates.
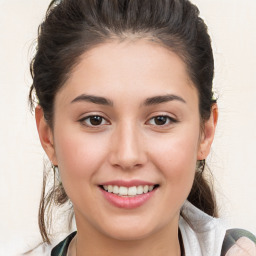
(128, 144)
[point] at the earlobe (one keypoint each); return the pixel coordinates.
(45, 134)
(208, 134)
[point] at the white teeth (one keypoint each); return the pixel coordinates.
(140, 190)
(132, 191)
(123, 191)
(128, 191)
(145, 189)
(115, 190)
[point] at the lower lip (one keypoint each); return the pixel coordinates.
(127, 202)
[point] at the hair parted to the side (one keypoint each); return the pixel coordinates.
(72, 27)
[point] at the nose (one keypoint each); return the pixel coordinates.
(127, 148)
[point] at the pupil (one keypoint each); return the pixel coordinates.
(95, 120)
(160, 120)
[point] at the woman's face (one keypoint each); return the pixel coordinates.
(127, 120)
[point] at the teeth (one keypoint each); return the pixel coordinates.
(115, 190)
(132, 191)
(140, 190)
(150, 188)
(123, 191)
(128, 191)
(145, 189)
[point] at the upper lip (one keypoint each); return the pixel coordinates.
(128, 183)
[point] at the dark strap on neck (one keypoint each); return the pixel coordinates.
(61, 248)
(182, 249)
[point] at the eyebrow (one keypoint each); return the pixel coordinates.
(162, 99)
(93, 99)
(107, 102)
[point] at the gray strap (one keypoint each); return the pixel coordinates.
(232, 235)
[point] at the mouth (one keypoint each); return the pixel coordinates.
(128, 194)
(132, 191)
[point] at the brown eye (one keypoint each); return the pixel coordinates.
(161, 120)
(94, 121)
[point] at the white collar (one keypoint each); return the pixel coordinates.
(202, 235)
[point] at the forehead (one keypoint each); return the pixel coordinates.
(138, 68)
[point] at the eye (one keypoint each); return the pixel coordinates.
(161, 120)
(93, 121)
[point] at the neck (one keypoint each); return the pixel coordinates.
(90, 242)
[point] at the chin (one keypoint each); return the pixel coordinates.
(130, 235)
(130, 231)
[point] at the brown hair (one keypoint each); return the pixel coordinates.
(72, 27)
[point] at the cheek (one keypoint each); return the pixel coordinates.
(79, 156)
(176, 157)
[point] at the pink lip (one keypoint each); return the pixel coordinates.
(128, 183)
(127, 202)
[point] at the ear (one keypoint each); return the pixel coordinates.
(45, 134)
(208, 134)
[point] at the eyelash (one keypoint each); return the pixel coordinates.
(166, 118)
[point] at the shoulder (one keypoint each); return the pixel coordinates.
(239, 242)
(205, 235)
(201, 233)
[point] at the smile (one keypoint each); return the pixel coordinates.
(128, 195)
(128, 191)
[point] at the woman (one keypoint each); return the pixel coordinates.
(127, 117)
